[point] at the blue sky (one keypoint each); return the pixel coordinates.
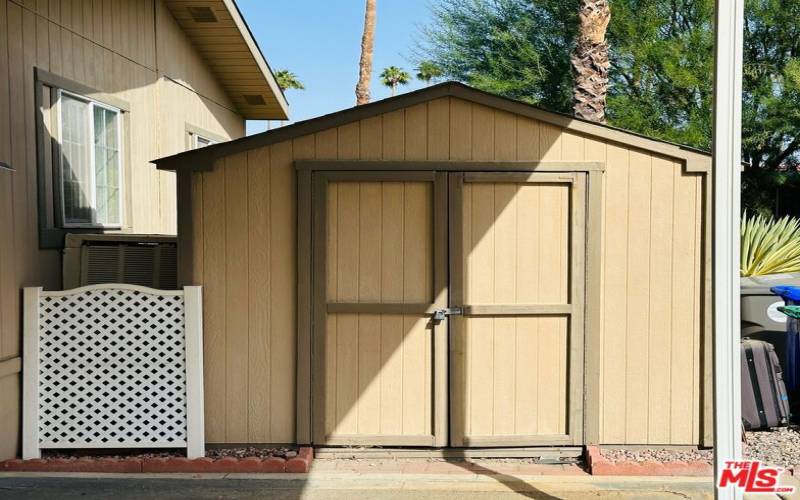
(320, 41)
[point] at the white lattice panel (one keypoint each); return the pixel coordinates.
(110, 368)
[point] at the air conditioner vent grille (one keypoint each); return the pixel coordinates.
(168, 267)
(140, 265)
(145, 264)
(103, 264)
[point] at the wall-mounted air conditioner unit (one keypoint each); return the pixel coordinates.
(136, 259)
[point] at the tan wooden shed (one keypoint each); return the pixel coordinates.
(450, 268)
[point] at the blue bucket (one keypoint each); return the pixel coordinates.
(791, 376)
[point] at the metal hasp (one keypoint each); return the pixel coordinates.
(441, 314)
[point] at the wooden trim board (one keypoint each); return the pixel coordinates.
(456, 266)
(304, 311)
(544, 440)
(441, 375)
(366, 440)
(486, 169)
(592, 339)
(318, 321)
(543, 175)
(519, 309)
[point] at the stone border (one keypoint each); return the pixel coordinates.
(598, 465)
(300, 464)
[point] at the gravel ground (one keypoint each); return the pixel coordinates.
(656, 455)
(780, 447)
(251, 452)
(211, 453)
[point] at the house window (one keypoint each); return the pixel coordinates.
(201, 142)
(90, 162)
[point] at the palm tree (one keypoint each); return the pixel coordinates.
(394, 76)
(365, 64)
(590, 61)
(288, 80)
(428, 71)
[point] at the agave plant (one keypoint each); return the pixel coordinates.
(770, 246)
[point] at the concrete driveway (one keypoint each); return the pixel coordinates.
(344, 486)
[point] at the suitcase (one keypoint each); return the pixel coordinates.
(765, 402)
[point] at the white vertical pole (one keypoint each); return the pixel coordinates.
(727, 203)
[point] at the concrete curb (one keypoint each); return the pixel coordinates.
(599, 466)
(300, 464)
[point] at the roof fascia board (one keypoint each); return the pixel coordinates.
(610, 134)
(298, 129)
(258, 56)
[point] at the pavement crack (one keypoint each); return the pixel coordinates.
(678, 493)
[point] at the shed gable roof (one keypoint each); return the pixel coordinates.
(203, 159)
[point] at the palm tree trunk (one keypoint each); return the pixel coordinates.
(365, 64)
(590, 61)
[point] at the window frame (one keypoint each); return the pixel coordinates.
(93, 103)
(192, 132)
(52, 233)
(196, 138)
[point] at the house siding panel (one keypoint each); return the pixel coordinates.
(109, 46)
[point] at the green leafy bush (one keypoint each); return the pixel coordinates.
(769, 245)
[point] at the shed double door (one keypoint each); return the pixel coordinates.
(448, 308)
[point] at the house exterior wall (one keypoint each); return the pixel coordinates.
(650, 345)
(131, 50)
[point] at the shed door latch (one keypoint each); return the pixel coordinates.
(441, 314)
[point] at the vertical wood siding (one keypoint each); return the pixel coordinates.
(108, 45)
(516, 250)
(651, 301)
(380, 250)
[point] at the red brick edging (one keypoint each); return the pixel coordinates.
(299, 464)
(599, 466)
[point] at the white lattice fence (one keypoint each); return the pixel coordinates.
(113, 366)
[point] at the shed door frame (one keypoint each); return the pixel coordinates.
(592, 341)
(574, 308)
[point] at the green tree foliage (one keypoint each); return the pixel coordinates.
(516, 48)
(288, 80)
(661, 70)
(428, 71)
(394, 76)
